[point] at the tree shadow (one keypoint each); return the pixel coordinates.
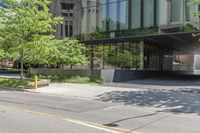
(175, 102)
(183, 81)
(167, 81)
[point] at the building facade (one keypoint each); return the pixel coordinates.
(133, 35)
(116, 17)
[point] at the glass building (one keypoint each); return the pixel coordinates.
(116, 17)
(129, 35)
(124, 18)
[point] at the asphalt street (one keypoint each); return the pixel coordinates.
(25, 112)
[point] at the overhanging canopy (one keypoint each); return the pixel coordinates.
(183, 42)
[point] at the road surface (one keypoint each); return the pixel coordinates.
(25, 112)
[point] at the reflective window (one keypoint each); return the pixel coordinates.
(123, 14)
(148, 13)
(112, 9)
(175, 10)
(102, 13)
(187, 12)
(135, 13)
(92, 15)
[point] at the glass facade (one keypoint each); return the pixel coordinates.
(123, 15)
(128, 18)
(102, 15)
(133, 55)
(117, 56)
(114, 16)
(187, 8)
(176, 7)
(136, 14)
(121, 18)
(93, 14)
(148, 13)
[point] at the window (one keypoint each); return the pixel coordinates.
(112, 6)
(67, 6)
(148, 13)
(92, 16)
(61, 30)
(187, 10)
(69, 28)
(123, 14)
(66, 28)
(135, 14)
(102, 13)
(175, 10)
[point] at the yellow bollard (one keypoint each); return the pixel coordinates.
(35, 82)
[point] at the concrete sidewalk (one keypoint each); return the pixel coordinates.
(153, 99)
(88, 91)
(92, 91)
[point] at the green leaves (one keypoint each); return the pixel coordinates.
(72, 53)
(26, 34)
(41, 50)
(2, 53)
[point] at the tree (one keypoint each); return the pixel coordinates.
(1, 53)
(26, 30)
(71, 52)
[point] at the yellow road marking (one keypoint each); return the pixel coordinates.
(58, 117)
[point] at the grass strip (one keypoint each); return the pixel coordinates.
(15, 84)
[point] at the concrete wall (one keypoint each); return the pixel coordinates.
(9, 72)
(109, 75)
(44, 71)
(189, 60)
(180, 67)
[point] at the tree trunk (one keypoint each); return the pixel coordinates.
(29, 70)
(62, 66)
(62, 69)
(22, 70)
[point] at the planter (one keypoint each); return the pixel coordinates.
(41, 83)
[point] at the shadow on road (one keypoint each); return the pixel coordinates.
(169, 101)
(170, 81)
(186, 81)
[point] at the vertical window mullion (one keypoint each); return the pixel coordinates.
(129, 14)
(118, 14)
(142, 14)
(107, 16)
(155, 13)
